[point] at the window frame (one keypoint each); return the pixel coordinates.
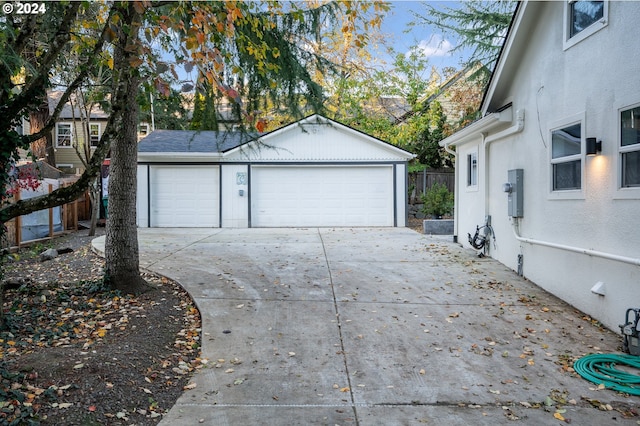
(569, 40)
(472, 172)
(97, 136)
(58, 125)
(146, 126)
(574, 193)
(625, 191)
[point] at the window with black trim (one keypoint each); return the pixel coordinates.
(566, 157)
(472, 169)
(630, 147)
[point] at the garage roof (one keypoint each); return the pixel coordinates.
(193, 141)
(314, 138)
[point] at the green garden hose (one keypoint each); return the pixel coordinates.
(601, 369)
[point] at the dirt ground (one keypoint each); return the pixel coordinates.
(73, 353)
(415, 224)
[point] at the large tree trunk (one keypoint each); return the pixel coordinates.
(43, 147)
(122, 271)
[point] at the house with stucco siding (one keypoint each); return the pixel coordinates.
(548, 180)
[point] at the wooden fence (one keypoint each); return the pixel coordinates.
(420, 181)
(70, 215)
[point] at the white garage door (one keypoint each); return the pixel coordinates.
(322, 196)
(184, 196)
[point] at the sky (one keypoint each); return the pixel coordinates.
(432, 43)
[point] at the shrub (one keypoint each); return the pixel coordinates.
(437, 201)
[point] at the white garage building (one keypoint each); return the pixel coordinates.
(315, 172)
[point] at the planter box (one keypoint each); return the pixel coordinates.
(437, 226)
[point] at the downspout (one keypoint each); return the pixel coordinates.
(517, 127)
(456, 177)
(588, 252)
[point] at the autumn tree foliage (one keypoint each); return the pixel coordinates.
(266, 49)
(24, 79)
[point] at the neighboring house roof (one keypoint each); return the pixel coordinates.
(68, 113)
(461, 76)
(193, 141)
(493, 113)
(40, 170)
(394, 106)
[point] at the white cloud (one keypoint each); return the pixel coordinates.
(436, 46)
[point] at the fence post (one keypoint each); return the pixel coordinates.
(424, 180)
(75, 214)
(18, 222)
(50, 216)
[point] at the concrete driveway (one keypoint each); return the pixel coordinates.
(375, 326)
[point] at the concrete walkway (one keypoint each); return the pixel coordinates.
(374, 326)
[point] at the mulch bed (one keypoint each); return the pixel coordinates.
(73, 352)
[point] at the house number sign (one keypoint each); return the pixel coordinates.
(241, 178)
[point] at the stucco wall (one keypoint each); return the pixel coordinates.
(589, 81)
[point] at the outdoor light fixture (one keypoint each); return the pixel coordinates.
(593, 146)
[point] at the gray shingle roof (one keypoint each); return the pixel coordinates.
(67, 113)
(193, 141)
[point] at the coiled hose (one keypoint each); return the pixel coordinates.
(601, 369)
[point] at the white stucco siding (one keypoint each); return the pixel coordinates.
(471, 201)
(592, 80)
(555, 84)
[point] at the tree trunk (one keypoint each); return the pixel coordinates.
(43, 147)
(122, 271)
(94, 196)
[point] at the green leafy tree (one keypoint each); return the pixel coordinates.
(23, 81)
(480, 25)
(169, 112)
(266, 46)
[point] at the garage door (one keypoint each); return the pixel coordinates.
(184, 196)
(322, 196)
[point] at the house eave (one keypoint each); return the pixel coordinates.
(188, 157)
(317, 119)
(472, 131)
(515, 43)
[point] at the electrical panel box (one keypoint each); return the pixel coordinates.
(514, 189)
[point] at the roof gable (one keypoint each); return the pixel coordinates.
(314, 138)
(317, 138)
(77, 112)
(513, 49)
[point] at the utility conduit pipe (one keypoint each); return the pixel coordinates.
(455, 191)
(517, 127)
(588, 252)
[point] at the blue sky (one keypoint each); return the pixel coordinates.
(432, 43)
